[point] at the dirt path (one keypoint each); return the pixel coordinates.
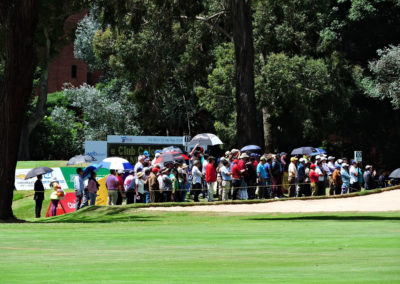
(380, 202)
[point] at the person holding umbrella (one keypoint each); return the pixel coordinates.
(39, 195)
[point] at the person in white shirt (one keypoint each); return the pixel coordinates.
(196, 180)
(139, 164)
(331, 167)
(321, 179)
(353, 171)
(292, 179)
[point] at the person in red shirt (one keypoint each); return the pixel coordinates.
(237, 176)
(121, 193)
(211, 178)
(314, 180)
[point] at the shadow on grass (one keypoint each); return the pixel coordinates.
(329, 217)
(100, 214)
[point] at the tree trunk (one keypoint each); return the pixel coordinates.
(267, 130)
(19, 18)
(33, 121)
(244, 73)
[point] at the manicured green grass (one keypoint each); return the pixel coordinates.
(125, 245)
(34, 164)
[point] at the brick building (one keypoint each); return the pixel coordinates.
(65, 68)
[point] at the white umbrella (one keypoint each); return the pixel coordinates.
(115, 163)
(206, 139)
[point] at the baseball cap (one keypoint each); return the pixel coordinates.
(331, 158)
(146, 153)
(313, 166)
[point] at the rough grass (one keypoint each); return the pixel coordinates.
(127, 245)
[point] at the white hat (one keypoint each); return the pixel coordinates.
(345, 165)
(339, 161)
(227, 153)
(234, 151)
(120, 172)
(139, 174)
(323, 159)
(368, 167)
(331, 158)
(244, 155)
(302, 160)
(157, 155)
(318, 157)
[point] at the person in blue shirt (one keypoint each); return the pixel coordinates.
(344, 172)
(261, 175)
(301, 176)
(268, 179)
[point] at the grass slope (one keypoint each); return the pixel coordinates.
(156, 247)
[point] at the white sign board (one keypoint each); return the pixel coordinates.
(146, 140)
(358, 156)
(29, 184)
(96, 149)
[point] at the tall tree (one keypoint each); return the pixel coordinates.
(244, 72)
(19, 19)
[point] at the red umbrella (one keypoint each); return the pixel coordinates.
(171, 157)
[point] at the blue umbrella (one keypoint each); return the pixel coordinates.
(319, 151)
(250, 148)
(304, 150)
(89, 169)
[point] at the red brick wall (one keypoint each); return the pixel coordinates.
(60, 71)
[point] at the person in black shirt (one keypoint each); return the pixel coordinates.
(39, 195)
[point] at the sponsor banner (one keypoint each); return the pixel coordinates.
(96, 149)
(70, 173)
(102, 195)
(22, 184)
(66, 205)
(131, 151)
(147, 140)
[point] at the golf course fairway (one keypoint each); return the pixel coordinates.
(120, 245)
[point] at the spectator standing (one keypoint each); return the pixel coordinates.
(292, 176)
(226, 175)
(337, 180)
(211, 178)
(129, 186)
(314, 177)
(345, 178)
(244, 158)
(262, 177)
(277, 177)
(120, 187)
(321, 178)
(369, 178)
(55, 197)
(112, 184)
(139, 181)
(166, 190)
(154, 187)
(39, 195)
(140, 164)
(236, 179)
(354, 185)
(196, 180)
(251, 178)
(301, 175)
(79, 188)
(93, 187)
(268, 179)
(331, 168)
